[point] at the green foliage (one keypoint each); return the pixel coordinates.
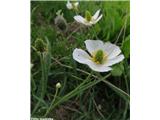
(84, 95)
(126, 47)
(117, 70)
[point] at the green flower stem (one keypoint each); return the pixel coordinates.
(42, 101)
(43, 75)
(125, 75)
(49, 109)
(98, 109)
(125, 110)
(94, 32)
(127, 88)
(120, 92)
(67, 66)
(123, 28)
(42, 82)
(66, 95)
(77, 78)
(70, 35)
(76, 11)
(77, 90)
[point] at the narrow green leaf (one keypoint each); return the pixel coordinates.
(126, 47)
(78, 90)
(120, 92)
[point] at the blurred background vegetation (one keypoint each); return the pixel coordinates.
(52, 62)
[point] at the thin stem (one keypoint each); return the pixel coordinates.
(123, 94)
(98, 109)
(94, 32)
(122, 29)
(65, 97)
(49, 109)
(77, 90)
(73, 109)
(70, 35)
(127, 88)
(67, 66)
(125, 111)
(116, 89)
(125, 76)
(42, 83)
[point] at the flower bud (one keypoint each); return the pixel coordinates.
(40, 45)
(58, 85)
(60, 21)
(75, 5)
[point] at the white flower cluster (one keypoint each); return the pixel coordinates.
(88, 20)
(100, 56)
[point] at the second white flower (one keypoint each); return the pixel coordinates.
(88, 20)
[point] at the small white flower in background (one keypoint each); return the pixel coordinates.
(72, 5)
(58, 85)
(101, 55)
(88, 20)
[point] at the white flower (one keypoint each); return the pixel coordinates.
(72, 5)
(101, 55)
(88, 20)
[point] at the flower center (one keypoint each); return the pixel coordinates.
(74, 6)
(88, 16)
(99, 57)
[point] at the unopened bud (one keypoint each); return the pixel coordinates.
(58, 85)
(40, 45)
(60, 21)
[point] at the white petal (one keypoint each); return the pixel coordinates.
(79, 19)
(95, 16)
(81, 56)
(76, 4)
(98, 19)
(111, 50)
(69, 5)
(93, 45)
(88, 23)
(114, 60)
(98, 67)
(82, 20)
